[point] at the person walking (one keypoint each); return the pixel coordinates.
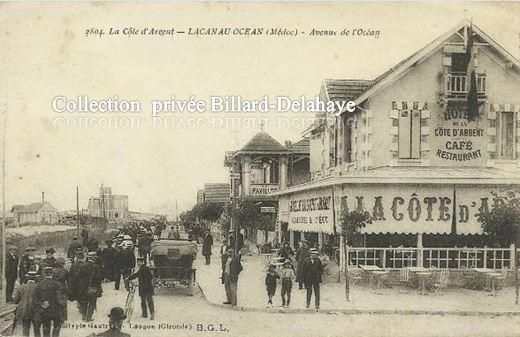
(48, 297)
(73, 248)
(128, 262)
(146, 289)
(286, 276)
(49, 260)
(11, 272)
(232, 270)
(75, 275)
(90, 287)
(25, 314)
(108, 255)
(118, 265)
(302, 254)
(313, 270)
(28, 263)
(61, 275)
(270, 282)
(207, 243)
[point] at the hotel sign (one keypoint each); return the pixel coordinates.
(263, 189)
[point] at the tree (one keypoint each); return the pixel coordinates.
(502, 223)
(351, 224)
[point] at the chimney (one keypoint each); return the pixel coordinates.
(43, 196)
(288, 144)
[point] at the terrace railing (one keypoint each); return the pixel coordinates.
(453, 258)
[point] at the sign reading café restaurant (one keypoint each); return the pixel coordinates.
(401, 209)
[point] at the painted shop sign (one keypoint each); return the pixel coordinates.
(420, 209)
(311, 212)
(458, 141)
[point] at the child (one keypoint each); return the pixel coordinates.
(287, 275)
(270, 282)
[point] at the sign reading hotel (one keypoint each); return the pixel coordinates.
(311, 212)
(263, 189)
(458, 141)
(421, 209)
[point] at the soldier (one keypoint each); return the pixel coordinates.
(24, 297)
(73, 248)
(115, 323)
(48, 298)
(28, 263)
(11, 271)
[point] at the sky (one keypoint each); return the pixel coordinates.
(46, 53)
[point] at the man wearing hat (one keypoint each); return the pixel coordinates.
(206, 246)
(24, 297)
(108, 260)
(74, 274)
(146, 291)
(115, 323)
(73, 248)
(11, 271)
(49, 296)
(50, 260)
(89, 287)
(60, 274)
(312, 271)
(231, 272)
(28, 263)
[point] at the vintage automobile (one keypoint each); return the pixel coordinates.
(173, 263)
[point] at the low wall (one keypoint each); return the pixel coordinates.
(57, 240)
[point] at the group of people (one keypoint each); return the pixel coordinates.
(309, 272)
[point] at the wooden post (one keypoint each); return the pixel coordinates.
(515, 266)
(419, 250)
(345, 253)
(485, 257)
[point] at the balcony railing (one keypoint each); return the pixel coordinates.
(456, 84)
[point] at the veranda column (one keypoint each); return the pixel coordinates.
(419, 250)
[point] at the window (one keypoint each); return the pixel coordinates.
(264, 172)
(409, 134)
(332, 147)
(347, 140)
(458, 62)
(506, 124)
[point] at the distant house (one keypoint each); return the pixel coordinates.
(35, 213)
(109, 206)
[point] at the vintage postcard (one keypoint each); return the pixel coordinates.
(260, 169)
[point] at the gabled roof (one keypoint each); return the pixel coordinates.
(263, 142)
(30, 208)
(360, 90)
(301, 146)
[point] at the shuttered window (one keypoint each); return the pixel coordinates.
(409, 134)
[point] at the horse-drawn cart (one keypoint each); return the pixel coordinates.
(173, 263)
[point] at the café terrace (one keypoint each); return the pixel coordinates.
(410, 157)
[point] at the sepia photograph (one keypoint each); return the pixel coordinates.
(299, 169)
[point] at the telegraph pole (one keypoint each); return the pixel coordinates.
(3, 224)
(77, 207)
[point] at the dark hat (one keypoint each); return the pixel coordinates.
(80, 255)
(60, 261)
(287, 261)
(74, 237)
(50, 250)
(272, 266)
(140, 259)
(117, 313)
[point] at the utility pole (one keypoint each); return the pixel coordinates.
(3, 224)
(77, 207)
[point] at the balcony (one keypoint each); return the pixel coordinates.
(456, 86)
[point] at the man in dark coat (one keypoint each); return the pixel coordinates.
(231, 272)
(89, 288)
(49, 260)
(302, 254)
(60, 274)
(48, 298)
(28, 263)
(206, 246)
(75, 274)
(118, 264)
(108, 255)
(11, 272)
(146, 291)
(73, 248)
(24, 297)
(312, 271)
